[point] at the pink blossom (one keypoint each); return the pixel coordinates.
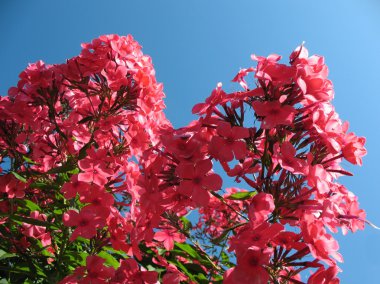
(274, 113)
(168, 237)
(229, 142)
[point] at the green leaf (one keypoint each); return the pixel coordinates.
(32, 221)
(28, 160)
(74, 171)
(4, 254)
(22, 268)
(29, 204)
(110, 249)
(75, 258)
(20, 178)
(179, 265)
(42, 185)
(150, 267)
(188, 249)
(223, 235)
(226, 260)
(186, 224)
(201, 278)
(225, 257)
(58, 211)
(40, 271)
(217, 278)
(69, 166)
(242, 195)
(193, 253)
(221, 238)
(194, 268)
(110, 260)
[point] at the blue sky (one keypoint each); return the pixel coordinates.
(195, 44)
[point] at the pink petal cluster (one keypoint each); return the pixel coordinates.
(94, 161)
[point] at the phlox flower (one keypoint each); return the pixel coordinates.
(168, 237)
(228, 143)
(86, 221)
(95, 272)
(288, 161)
(274, 113)
(259, 209)
(353, 149)
(197, 179)
(94, 167)
(130, 272)
(250, 267)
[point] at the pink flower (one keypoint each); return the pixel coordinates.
(217, 96)
(95, 272)
(288, 160)
(12, 186)
(97, 196)
(70, 189)
(35, 231)
(241, 75)
(259, 209)
(94, 167)
(354, 150)
(318, 177)
(321, 244)
(197, 179)
(259, 236)
(129, 272)
(325, 276)
(115, 75)
(86, 221)
(229, 143)
(168, 237)
(250, 267)
(274, 113)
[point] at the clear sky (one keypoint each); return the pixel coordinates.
(195, 44)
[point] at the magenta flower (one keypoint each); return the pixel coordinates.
(274, 113)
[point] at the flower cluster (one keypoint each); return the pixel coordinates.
(96, 185)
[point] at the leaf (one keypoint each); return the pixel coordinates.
(186, 224)
(32, 221)
(194, 268)
(19, 177)
(40, 271)
(58, 212)
(220, 238)
(110, 260)
(193, 253)
(69, 166)
(75, 258)
(29, 204)
(120, 253)
(74, 171)
(242, 195)
(150, 267)
(42, 185)
(225, 257)
(188, 249)
(226, 260)
(28, 160)
(225, 233)
(179, 265)
(201, 278)
(4, 254)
